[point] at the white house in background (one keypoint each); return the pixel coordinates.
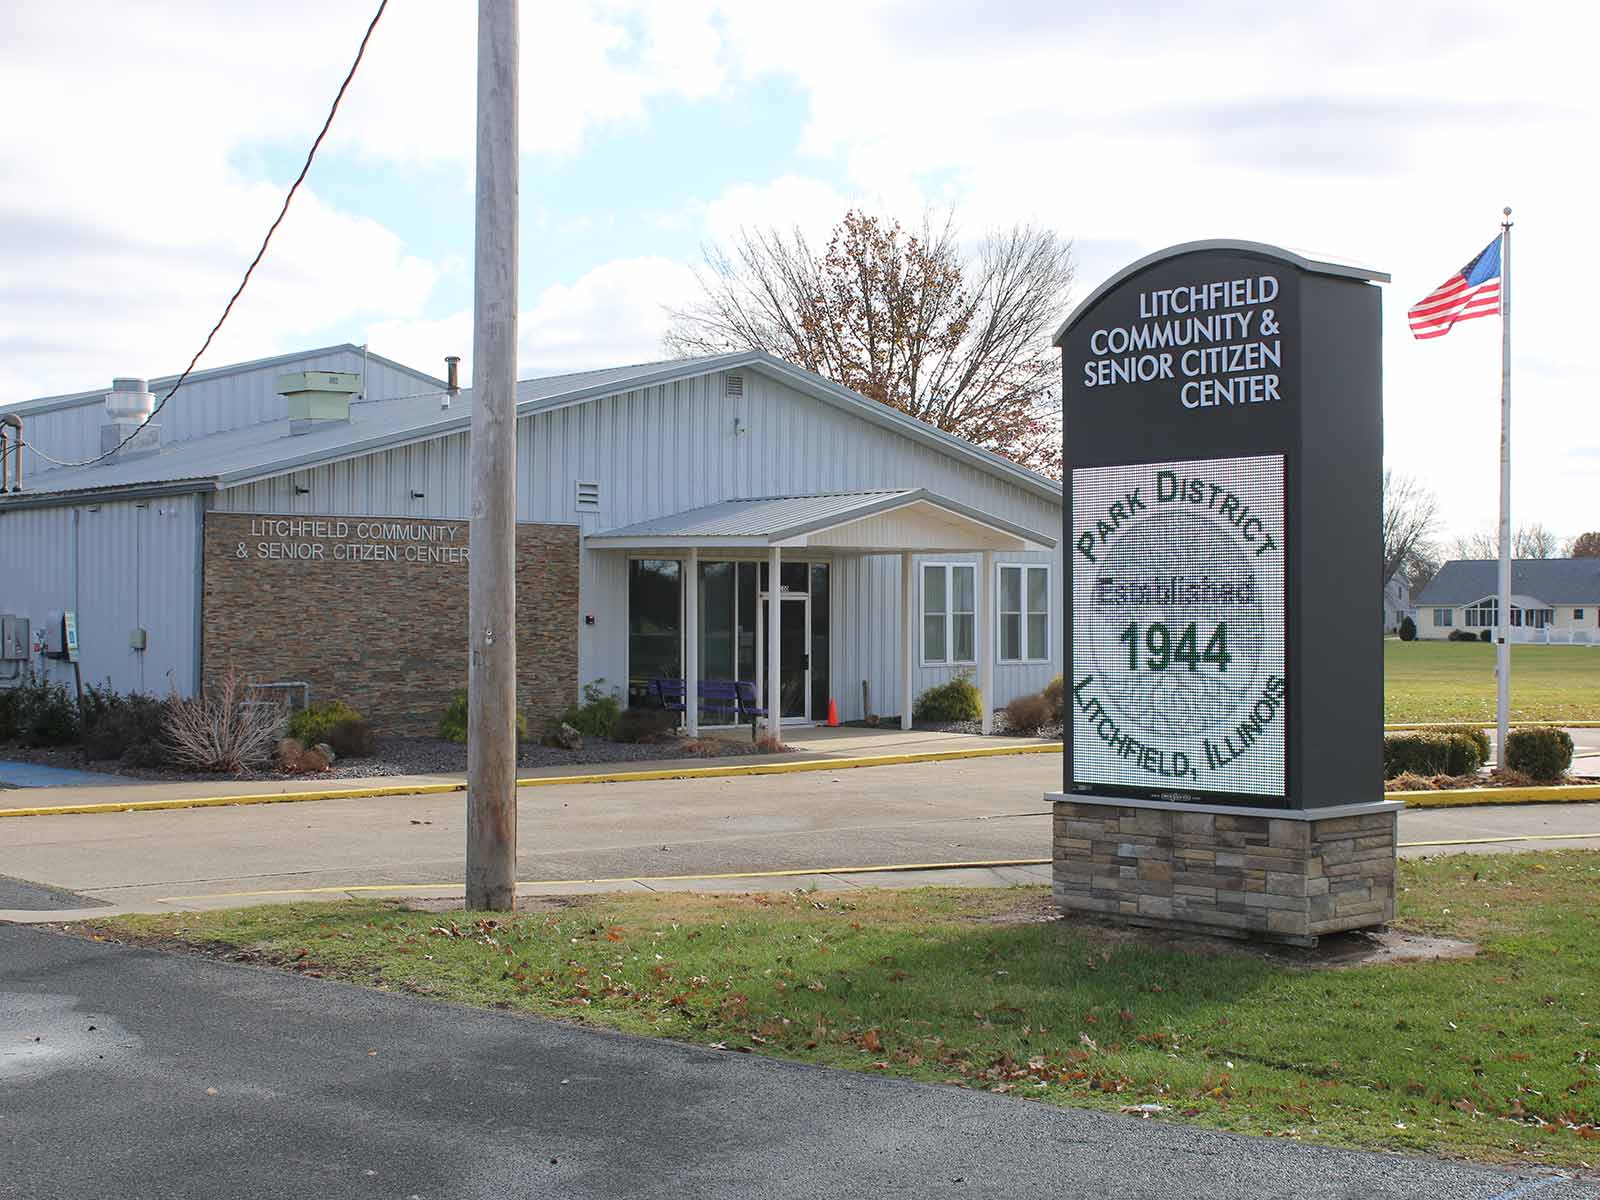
(731, 517)
(1553, 600)
(1397, 604)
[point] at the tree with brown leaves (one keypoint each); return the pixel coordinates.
(906, 319)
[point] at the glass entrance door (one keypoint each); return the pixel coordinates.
(794, 650)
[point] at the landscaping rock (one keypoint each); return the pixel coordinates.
(563, 737)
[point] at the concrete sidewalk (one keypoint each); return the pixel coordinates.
(818, 745)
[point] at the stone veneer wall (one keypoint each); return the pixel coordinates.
(385, 633)
(1239, 875)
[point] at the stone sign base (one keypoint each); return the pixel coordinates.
(1280, 875)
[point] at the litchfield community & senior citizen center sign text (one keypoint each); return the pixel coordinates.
(1223, 450)
(330, 539)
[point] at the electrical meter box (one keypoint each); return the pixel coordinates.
(61, 636)
(15, 638)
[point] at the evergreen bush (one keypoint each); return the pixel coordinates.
(1543, 753)
(954, 700)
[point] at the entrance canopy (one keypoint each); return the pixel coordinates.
(889, 522)
(905, 522)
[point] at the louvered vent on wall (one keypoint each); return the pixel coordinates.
(588, 496)
(734, 385)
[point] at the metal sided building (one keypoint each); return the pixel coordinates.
(304, 518)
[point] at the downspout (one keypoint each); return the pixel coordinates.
(15, 422)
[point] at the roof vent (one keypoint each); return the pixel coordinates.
(317, 399)
(588, 499)
(733, 385)
(129, 404)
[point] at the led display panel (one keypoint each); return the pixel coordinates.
(1179, 681)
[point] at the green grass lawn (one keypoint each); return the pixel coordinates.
(1495, 1057)
(1454, 681)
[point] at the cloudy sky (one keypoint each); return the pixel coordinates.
(147, 145)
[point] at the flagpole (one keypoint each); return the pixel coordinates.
(1503, 644)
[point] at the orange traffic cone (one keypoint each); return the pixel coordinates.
(833, 713)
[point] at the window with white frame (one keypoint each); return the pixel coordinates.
(1443, 617)
(1024, 613)
(949, 614)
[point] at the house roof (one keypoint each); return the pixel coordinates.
(793, 520)
(1552, 580)
(260, 451)
(44, 404)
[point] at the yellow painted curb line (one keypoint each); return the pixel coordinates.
(427, 789)
(646, 879)
(1473, 797)
(1489, 725)
(880, 869)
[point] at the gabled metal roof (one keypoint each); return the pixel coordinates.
(261, 451)
(44, 404)
(775, 520)
(1551, 580)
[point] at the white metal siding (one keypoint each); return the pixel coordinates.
(119, 566)
(662, 450)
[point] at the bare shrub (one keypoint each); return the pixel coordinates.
(219, 730)
(771, 745)
(1027, 714)
(705, 747)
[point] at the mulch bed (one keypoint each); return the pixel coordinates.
(401, 756)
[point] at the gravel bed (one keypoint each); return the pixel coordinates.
(398, 756)
(1002, 727)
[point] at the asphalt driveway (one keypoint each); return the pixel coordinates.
(137, 1074)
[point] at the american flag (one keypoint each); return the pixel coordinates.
(1473, 291)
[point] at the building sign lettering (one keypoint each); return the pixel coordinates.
(319, 539)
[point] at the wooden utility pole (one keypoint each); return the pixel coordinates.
(492, 578)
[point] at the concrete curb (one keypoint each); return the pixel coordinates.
(427, 789)
(1474, 797)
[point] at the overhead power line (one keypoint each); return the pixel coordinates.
(239, 291)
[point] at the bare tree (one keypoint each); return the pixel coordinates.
(1410, 516)
(960, 342)
(1529, 541)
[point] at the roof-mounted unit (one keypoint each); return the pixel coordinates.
(125, 434)
(317, 399)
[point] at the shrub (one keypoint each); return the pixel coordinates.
(127, 727)
(10, 707)
(1055, 692)
(1408, 629)
(1026, 714)
(597, 715)
(956, 700)
(1423, 753)
(1478, 737)
(312, 723)
(47, 715)
(704, 747)
(1462, 635)
(219, 729)
(643, 724)
(453, 721)
(1483, 635)
(352, 738)
(1543, 753)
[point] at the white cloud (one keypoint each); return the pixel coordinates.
(1388, 133)
(125, 223)
(612, 315)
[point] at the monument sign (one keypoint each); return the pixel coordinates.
(1223, 451)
